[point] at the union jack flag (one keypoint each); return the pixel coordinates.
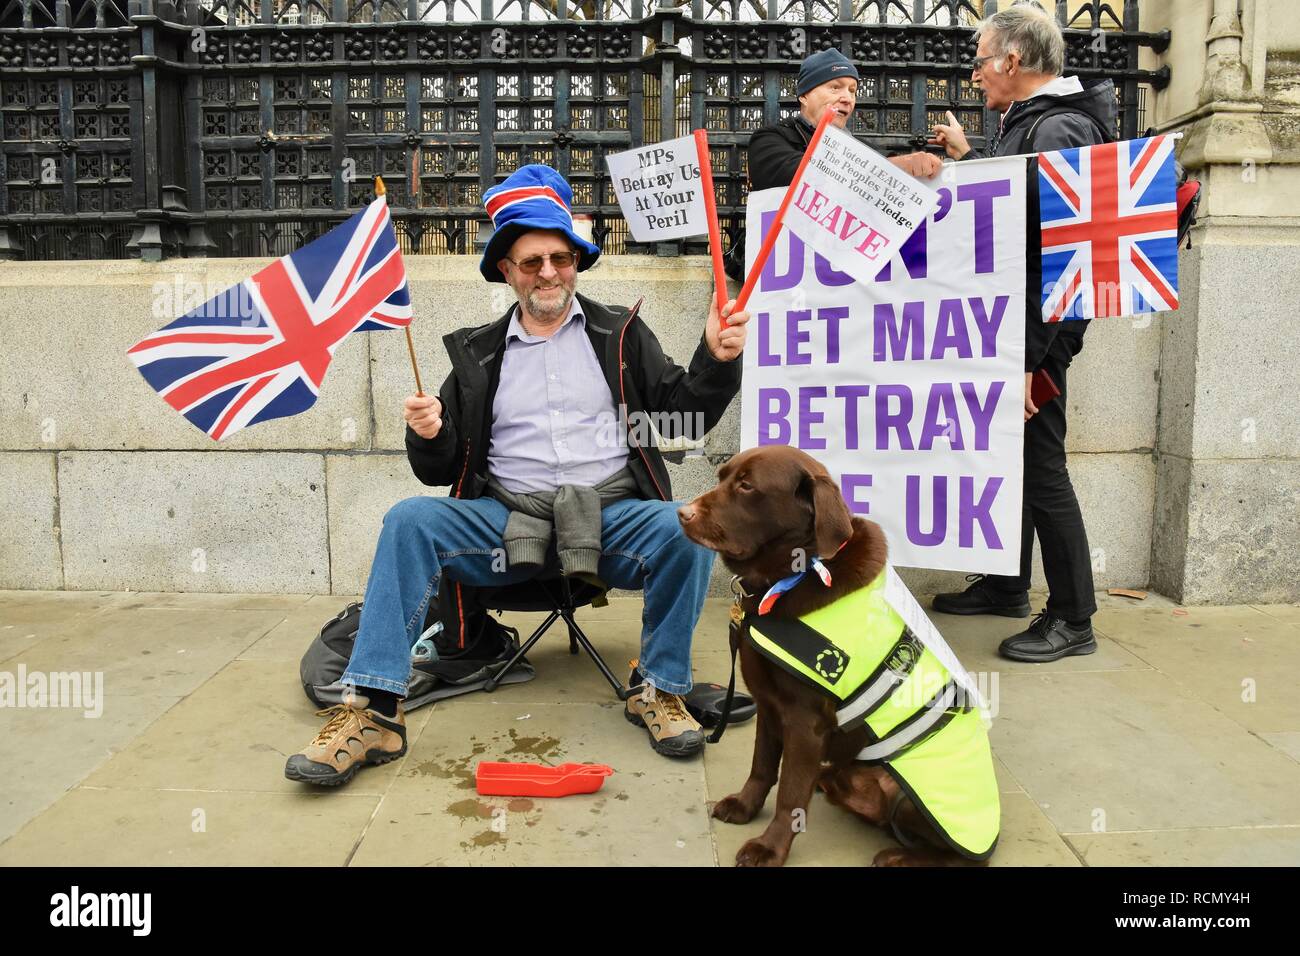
(1110, 229)
(260, 349)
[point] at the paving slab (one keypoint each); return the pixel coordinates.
(1028, 837)
(47, 750)
(1223, 846)
(165, 652)
(1143, 753)
(628, 822)
(975, 639)
(1121, 602)
(1288, 742)
(158, 828)
(235, 733)
(136, 600)
(463, 731)
(1239, 659)
(1128, 748)
(28, 617)
(651, 811)
(1290, 613)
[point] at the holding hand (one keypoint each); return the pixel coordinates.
(952, 137)
(727, 341)
(1030, 408)
(920, 165)
(424, 414)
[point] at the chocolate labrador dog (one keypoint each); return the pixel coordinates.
(770, 503)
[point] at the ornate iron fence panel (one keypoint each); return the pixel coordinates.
(248, 127)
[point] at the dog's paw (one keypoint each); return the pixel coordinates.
(898, 856)
(732, 810)
(758, 853)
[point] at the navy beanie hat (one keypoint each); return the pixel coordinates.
(822, 67)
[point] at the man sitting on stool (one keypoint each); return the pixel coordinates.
(531, 410)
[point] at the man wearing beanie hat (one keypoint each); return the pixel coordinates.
(543, 416)
(826, 78)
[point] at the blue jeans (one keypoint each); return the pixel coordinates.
(642, 548)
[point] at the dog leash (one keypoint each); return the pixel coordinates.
(734, 636)
(735, 628)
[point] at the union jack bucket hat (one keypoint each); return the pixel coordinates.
(533, 197)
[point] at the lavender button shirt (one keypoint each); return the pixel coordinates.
(553, 418)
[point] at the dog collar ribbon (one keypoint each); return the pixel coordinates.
(785, 584)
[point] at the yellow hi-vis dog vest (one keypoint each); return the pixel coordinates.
(922, 727)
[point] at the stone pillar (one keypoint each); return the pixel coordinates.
(1227, 515)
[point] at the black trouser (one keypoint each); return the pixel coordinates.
(1051, 509)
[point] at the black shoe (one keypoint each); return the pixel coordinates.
(983, 598)
(1048, 639)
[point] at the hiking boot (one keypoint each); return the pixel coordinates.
(1048, 639)
(673, 731)
(983, 598)
(351, 739)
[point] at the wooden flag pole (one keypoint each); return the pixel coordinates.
(711, 214)
(769, 240)
(410, 344)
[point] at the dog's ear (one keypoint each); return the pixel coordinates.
(832, 522)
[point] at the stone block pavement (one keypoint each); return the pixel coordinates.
(1177, 743)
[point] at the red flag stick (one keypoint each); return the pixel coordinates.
(769, 240)
(711, 211)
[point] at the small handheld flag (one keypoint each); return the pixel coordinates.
(260, 349)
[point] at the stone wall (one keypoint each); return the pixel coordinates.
(1184, 441)
(102, 486)
(1227, 513)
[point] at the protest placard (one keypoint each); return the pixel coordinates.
(909, 387)
(659, 190)
(855, 207)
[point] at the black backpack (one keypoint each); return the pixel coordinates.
(470, 646)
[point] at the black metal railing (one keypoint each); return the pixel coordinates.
(247, 127)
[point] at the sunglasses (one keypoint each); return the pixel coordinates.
(533, 264)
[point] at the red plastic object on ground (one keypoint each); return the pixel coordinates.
(534, 780)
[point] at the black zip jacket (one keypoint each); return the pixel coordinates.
(639, 376)
(1090, 121)
(775, 152)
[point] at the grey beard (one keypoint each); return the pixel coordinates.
(536, 308)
